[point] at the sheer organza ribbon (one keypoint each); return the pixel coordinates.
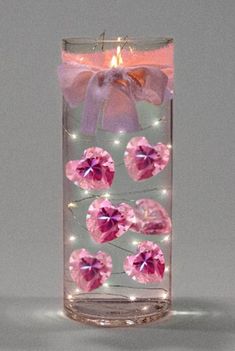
(109, 95)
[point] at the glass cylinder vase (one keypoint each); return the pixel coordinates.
(117, 164)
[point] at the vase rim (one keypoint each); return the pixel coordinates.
(131, 40)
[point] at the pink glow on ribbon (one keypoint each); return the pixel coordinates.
(112, 92)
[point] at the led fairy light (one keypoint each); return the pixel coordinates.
(156, 123)
(116, 142)
(74, 136)
(164, 295)
(72, 205)
(145, 308)
(132, 298)
(72, 238)
(107, 195)
(166, 239)
(164, 191)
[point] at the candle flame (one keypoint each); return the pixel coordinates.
(113, 62)
(117, 59)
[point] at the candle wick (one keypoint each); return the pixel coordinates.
(126, 40)
(102, 35)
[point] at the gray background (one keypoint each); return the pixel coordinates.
(31, 176)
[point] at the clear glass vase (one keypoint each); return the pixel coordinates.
(117, 157)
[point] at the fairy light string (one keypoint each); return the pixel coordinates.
(116, 196)
(74, 136)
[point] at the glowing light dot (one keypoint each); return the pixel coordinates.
(164, 295)
(166, 239)
(69, 297)
(86, 192)
(77, 290)
(130, 322)
(169, 146)
(72, 238)
(107, 195)
(135, 242)
(132, 298)
(74, 136)
(167, 269)
(156, 123)
(116, 142)
(164, 191)
(145, 308)
(106, 285)
(72, 205)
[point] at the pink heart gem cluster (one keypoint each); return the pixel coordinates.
(106, 221)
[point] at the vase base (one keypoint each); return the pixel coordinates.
(117, 313)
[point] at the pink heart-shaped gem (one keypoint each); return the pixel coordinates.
(143, 160)
(150, 218)
(89, 271)
(106, 222)
(94, 171)
(148, 265)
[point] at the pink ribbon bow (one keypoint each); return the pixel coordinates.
(109, 95)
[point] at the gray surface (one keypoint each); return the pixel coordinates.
(37, 324)
(30, 184)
